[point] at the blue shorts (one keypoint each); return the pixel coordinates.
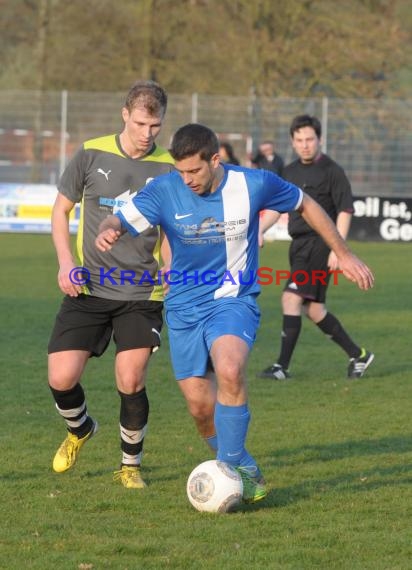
(192, 331)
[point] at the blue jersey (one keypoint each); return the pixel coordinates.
(213, 237)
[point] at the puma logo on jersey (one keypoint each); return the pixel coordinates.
(105, 174)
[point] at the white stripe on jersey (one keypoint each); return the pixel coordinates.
(236, 207)
(134, 217)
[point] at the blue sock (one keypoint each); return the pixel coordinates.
(211, 442)
(231, 427)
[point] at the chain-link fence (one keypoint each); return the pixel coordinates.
(371, 139)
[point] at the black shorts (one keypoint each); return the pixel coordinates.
(87, 323)
(308, 259)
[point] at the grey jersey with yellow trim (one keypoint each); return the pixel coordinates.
(102, 177)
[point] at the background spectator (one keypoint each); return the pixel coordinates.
(226, 154)
(267, 158)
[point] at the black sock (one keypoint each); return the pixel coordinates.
(332, 327)
(134, 413)
(290, 334)
(71, 405)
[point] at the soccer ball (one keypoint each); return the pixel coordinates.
(214, 487)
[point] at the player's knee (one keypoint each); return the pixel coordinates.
(229, 373)
(316, 312)
(62, 381)
(200, 411)
(63, 378)
(130, 382)
(291, 303)
(65, 370)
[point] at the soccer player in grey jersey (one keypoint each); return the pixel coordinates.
(111, 294)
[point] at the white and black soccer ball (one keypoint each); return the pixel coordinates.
(214, 487)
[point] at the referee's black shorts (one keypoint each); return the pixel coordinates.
(87, 323)
(308, 259)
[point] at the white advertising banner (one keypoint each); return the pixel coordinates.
(27, 208)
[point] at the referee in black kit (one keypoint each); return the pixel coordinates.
(326, 182)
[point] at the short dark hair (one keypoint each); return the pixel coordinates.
(194, 139)
(306, 121)
(149, 95)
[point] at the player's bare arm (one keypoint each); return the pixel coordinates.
(110, 231)
(166, 255)
(343, 222)
(352, 267)
(165, 250)
(61, 239)
(266, 220)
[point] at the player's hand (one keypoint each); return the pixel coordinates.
(106, 239)
(333, 263)
(356, 271)
(68, 281)
(261, 240)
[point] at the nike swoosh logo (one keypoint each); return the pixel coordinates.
(247, 336)
(233, 454)
(181, 216)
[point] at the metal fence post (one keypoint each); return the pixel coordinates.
(195, 103)
(325, 109)
(63, 131)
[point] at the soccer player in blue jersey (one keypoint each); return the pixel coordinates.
(210, 214)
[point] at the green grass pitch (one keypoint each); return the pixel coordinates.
(337, 454)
